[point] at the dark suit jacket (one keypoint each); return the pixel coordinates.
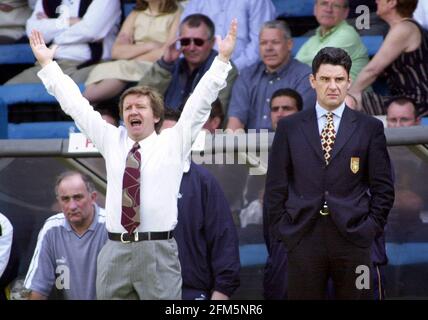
(298, 180)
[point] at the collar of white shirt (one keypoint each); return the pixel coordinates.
(148, 141)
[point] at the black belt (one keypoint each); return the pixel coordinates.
(125, 237)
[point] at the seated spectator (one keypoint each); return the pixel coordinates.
(206, 236)
(68, 244)
(216, 118)
(334, 31)
(250, 102)
(13, 16)
(401, 112)
(284, 102)
(6, 235)
(141, 41)
(251, 15)
(421, 14)
(175, 78)
(83, 34)
(6, 239)
(402, 58)
(411, 174)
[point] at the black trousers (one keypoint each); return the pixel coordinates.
(324, 253)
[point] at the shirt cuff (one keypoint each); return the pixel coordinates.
(48, 70)
(167, 66)
(221, 68)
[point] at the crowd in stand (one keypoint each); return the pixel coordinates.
(169, 45)
(108, 52)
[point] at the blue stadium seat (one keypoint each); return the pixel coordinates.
(23, 93)
(16, 54)
(127, 8)
(424, 121)
(294, 8)
(372, 43)
(41, 130)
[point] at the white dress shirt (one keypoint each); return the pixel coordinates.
(100, 22)
(5, 242)
(322, 119)
(163, 156)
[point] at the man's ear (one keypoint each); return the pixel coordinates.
(312, 80)
(94, 195)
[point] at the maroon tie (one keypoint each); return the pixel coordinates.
(131, 190)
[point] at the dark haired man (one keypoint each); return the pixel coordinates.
(284, 102)
(329, 187)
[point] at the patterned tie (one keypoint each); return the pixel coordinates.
(328, 135)
(131, 190)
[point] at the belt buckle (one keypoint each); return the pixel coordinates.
(324, 211)
(121, 238)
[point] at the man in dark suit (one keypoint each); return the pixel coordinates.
(329, 187)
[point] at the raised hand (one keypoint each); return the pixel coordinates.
(43, 54)
(171, 53)
(227, 45)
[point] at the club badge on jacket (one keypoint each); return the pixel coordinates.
(355, 164)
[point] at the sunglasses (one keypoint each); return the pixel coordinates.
(196, 41)
(284, 108)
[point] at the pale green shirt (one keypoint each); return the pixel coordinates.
(342, 36)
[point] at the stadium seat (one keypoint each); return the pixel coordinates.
(41, 130)
(127, 8)
(24, 94)
(294, 8)
(16, 54)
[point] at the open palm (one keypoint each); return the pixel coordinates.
(227, 45)
(43, 54)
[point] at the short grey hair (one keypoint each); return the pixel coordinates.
(278, 24)
(90, 187)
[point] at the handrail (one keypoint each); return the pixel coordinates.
(216, 143)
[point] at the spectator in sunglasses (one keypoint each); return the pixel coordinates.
(251, 15)
(175, 77)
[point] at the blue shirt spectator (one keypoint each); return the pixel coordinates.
(251, 15)
(249, 106)
(255, 85)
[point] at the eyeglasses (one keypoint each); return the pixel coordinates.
(327, 5)
(283, 108)
(196, 41)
